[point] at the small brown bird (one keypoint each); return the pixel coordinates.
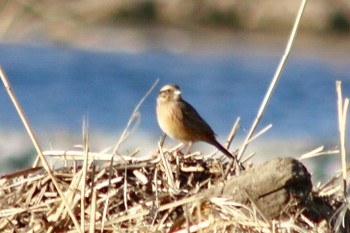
(180, 121)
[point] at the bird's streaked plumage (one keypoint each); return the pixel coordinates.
(180, 121)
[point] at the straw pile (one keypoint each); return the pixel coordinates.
(163, 193)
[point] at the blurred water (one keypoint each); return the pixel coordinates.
(59, 85)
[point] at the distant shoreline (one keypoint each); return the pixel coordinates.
(88, 20)
(137, 39)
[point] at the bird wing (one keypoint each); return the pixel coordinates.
(193, 121)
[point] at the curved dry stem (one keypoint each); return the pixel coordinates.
(134, 116)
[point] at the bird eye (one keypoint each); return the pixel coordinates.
(165, 92)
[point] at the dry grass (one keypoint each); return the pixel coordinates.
(154, 194)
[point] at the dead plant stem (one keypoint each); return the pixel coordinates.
(274, 81)
(37, 146)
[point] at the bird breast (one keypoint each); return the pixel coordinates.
(170, 120)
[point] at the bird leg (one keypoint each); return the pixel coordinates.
(188, 148)
(177, 147)
(162, 140)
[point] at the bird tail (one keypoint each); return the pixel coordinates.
(223, 150)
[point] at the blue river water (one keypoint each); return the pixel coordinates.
(58, 86)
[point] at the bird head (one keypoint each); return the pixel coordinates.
(170, 92)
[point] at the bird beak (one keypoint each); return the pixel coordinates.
(177, 92)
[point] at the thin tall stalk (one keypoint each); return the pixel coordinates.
(342, 113)
(274, 82)
(36, 145)
(134, 116)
